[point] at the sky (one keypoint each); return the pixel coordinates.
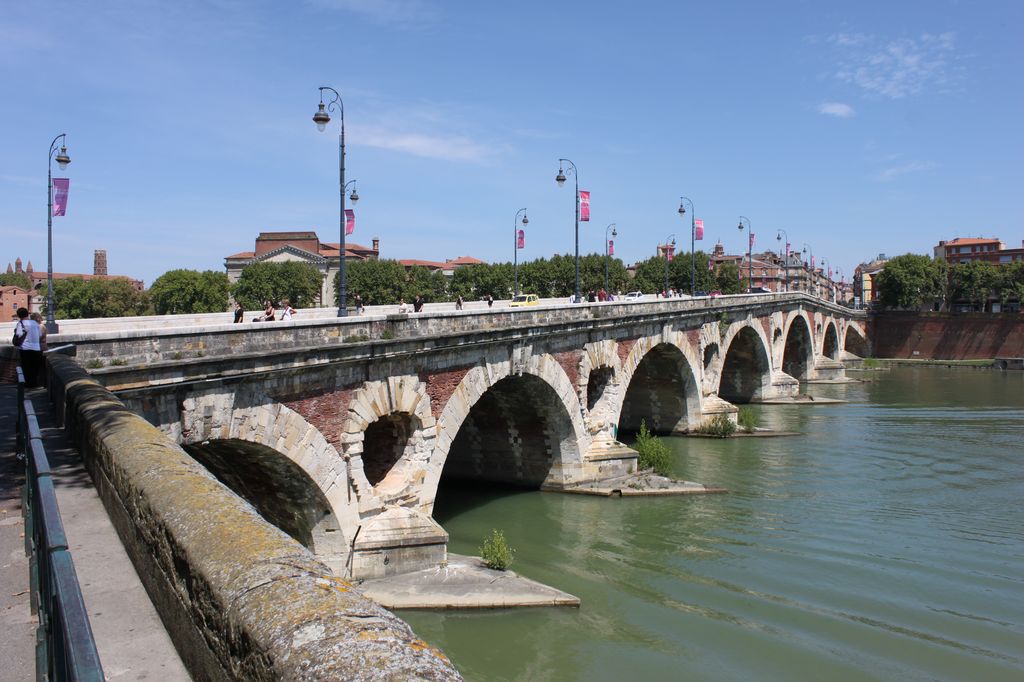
(857, 127)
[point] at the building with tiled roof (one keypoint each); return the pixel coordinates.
(37, 297)
(448, 267)
(967, 249)
(305, 247)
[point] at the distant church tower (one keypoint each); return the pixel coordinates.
(99, 262)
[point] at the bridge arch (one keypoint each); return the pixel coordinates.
(389, 433)
(855, 342)
(798, 350)
(746, 365)
(281, 464)
(660, 376)
(517, 421)
(830, 340)
(599, 384)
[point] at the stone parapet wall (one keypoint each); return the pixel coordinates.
(240, 598)
(99, 344)
(946, 336)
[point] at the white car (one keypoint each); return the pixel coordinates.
(634, 296)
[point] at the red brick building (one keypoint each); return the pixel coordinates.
(967, 249)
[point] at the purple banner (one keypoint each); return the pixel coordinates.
(60, 195)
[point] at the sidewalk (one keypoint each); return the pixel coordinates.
(130, 637)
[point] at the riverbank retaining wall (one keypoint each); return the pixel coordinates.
(946, 336)
(240, 599)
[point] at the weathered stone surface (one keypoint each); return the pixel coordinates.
(241, 599)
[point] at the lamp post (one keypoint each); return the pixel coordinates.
(810, 271)
(515, 249)
(321, 118)
(607, 255)
(750, 248)
(785, 258)
(560, 179)
(670, 243)
(62, 160)
(693, 229)
(828, 290)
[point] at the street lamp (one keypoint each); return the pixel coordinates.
(824, 262)
(560, 179)
(810, 271)
(785, 259)
(750, 248)
(607, 255)
(321, 118)
(670, 244)
(62, 160)
(515, 244)
(693, 229)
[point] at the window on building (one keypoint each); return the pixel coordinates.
(1005, 259)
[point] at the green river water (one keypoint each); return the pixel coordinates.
(884, 542)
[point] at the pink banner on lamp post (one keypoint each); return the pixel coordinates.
(584, 206)
(698, 229)
(611, 247)
(60, 195)
(521, 239)
(751, 240)
(350, 221)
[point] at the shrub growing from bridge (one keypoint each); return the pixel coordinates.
(496, 552)
(654, 454)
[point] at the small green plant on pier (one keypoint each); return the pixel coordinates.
(723, 326)
(387, 335)
(748, 419)
(654, 454)
(95, 363)
(720, 425)
(869, 363)
(496, 553)
(118, 362)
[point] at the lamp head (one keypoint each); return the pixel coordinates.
(740, 226)
(320, 118)
(560, 178)
(354, 196)
(526, 221)
(62, 158)
(615, 233)
(682, 210)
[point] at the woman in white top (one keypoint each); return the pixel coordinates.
(31, 353)
(288, 310)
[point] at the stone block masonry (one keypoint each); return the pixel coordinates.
(241, 600)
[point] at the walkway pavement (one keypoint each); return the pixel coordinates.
(130, 638)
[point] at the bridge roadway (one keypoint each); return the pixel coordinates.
(339, 430)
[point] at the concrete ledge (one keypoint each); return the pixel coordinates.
(240, 599)
(463, 583)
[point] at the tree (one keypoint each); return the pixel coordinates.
(727, 278)
(259, 282)
(974, 281)
(432, 286)
(189, 291)
(910, 281)
(379, 282)
(77, 298)
(649, 275)
(1011, 285)
(16, 279)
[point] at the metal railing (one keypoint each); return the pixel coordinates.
(65, 647)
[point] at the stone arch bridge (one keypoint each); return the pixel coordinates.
(339, 432)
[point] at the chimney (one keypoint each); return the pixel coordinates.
(376, 244)
(99, 262)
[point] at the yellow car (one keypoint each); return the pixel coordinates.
(523, 300)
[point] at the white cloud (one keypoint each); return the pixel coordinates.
(897, 68)
(837, 109)
(395, 12)
(433, 146)
(893, 172)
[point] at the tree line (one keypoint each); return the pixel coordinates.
(912, 281)
(378, 282)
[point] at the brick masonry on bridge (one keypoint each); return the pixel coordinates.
(529, 399)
